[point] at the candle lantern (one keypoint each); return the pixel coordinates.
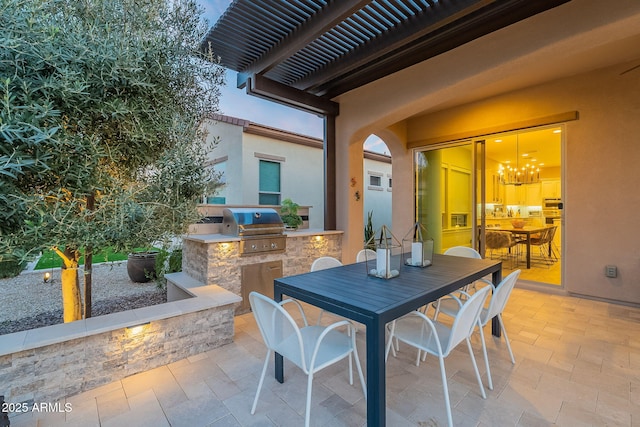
(387, 259)
(417, 248)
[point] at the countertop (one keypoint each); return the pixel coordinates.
(221, 238)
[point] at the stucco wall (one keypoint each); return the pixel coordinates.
(301, 172)
(601, 163)
(229, 135)
(601, 168)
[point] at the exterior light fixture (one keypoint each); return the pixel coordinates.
(46, 278)
(136, 329)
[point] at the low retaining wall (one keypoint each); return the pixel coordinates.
(46, 364)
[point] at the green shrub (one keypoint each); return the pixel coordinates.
(11, 268)
(167, 262)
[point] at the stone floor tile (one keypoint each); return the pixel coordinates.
(577, 363)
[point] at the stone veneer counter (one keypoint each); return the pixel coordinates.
(215, 258)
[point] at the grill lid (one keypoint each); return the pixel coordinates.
(251, 222)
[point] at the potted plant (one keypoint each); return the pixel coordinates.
(141, 266)
(289, 214)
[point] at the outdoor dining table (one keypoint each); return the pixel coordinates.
(350, 292)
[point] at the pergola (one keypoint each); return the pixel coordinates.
(304, 53)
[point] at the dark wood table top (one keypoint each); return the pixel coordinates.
(349, 291)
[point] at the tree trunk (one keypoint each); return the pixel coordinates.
(88, 261)
(71, 306)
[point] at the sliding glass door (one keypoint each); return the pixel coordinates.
(444, 194)
(509, 182)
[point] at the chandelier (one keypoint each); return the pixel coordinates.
(518, 175)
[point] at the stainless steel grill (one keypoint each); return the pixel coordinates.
(260, 229)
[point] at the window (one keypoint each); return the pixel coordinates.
(390, 182)
(269, 186)
(219, 169)
(375, 181)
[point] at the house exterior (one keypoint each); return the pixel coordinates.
(506, 81)
(573, 64)
(261, 165)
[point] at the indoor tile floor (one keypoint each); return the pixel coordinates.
(577, 364)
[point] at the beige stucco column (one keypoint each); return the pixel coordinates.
(350, 186)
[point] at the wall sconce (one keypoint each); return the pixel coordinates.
(137, 329)
(357, 196)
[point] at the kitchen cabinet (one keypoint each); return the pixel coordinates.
(526, 194)
(459, 191)
(515, 195)
(534, 194)
(551, 189)
(495, 190)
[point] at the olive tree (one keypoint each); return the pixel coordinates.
(99, 141)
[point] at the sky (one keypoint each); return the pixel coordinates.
(235, 102)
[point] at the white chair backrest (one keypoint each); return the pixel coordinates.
(325, 262)
(365, 254)
(463, 251)
(500, 296)
(466, 319)
(279, 331)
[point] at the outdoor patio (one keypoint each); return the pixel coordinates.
(577, 363)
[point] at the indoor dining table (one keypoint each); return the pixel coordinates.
(350, 292)
(527, 232)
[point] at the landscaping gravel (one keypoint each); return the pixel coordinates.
(28, 302)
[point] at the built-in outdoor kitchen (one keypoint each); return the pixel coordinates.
(243, 248)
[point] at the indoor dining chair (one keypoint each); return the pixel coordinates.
(431, 336)
(500, 295)
(311, 348)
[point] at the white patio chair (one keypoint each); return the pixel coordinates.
(323, 263)
(365, 254)
(499, 298)
(311, 348)
(464, 252)
(417, 330)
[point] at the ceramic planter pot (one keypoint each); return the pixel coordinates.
(141, 266)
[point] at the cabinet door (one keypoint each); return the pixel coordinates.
(515, 194)
(534, 195)
(459, 190)
(551, 189)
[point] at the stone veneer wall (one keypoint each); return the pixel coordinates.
(219, 263)
(51, 372)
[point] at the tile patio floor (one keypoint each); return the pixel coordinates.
(577, 364)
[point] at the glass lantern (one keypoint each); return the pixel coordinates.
(417, 249)
(384, 259)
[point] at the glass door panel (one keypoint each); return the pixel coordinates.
(467, 188)
(444, 189)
